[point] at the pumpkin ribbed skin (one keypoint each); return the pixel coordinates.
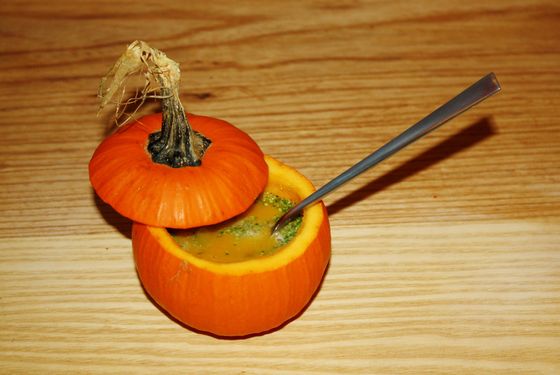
(243, 298)
(232, 174)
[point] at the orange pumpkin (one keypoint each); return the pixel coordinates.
(240, 298)
(178, 170)
(173, 169)
(230, 177)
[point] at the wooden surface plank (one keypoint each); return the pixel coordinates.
(446, 258)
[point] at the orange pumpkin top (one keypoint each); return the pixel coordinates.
(174, 169)
(231, 176)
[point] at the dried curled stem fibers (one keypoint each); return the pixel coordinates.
(161, 76)
(176, 144)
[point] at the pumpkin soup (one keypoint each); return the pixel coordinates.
(244, 237)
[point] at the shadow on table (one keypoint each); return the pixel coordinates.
(460, 141)
(113, 218)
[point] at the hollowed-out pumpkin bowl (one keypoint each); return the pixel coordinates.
(244, 297)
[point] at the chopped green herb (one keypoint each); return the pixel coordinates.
(281, 204)
(245, 228)
(243, 237)
(288, 231)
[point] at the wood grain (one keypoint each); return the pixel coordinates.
(446, 258)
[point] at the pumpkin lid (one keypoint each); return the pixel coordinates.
(173, 169)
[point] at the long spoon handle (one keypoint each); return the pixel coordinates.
(484, 88)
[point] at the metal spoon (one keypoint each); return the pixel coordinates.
(484, 88)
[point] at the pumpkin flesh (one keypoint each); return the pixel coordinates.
(238, 298)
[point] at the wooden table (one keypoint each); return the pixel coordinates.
(446, 258)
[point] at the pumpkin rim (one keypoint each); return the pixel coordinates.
(279, 174)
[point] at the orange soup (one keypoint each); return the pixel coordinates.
(244, 237)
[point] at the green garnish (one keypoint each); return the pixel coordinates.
(246, 227)
(281, 204)
(245, 236)
(288, 231)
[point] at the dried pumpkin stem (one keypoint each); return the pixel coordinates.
(176, 144)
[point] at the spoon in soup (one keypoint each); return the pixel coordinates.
(482, 89)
